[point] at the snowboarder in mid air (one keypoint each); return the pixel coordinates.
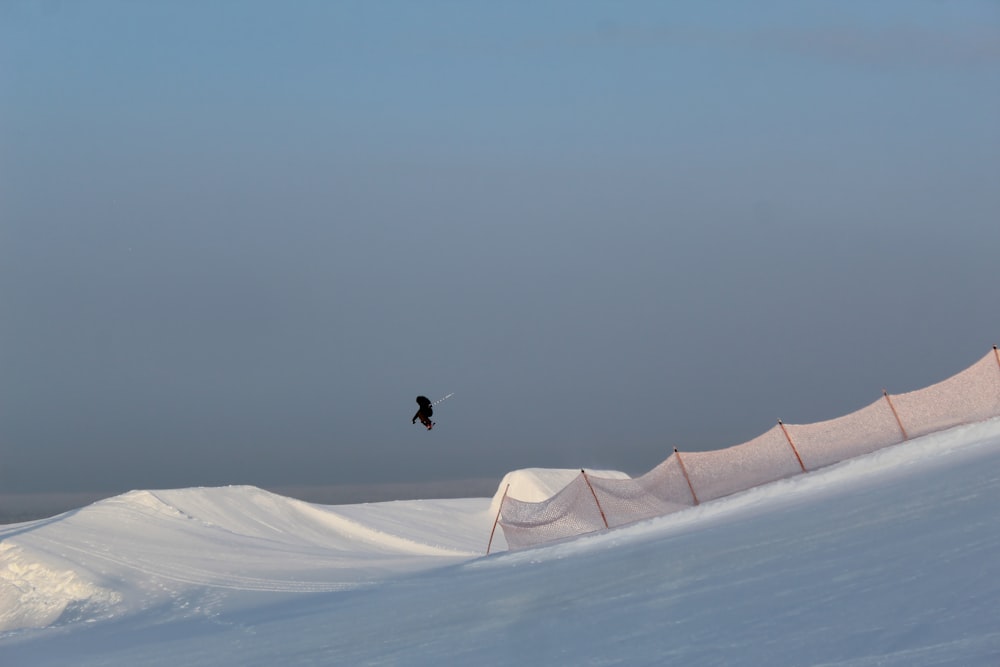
(424, 412)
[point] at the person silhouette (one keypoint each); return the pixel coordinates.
(424, 412)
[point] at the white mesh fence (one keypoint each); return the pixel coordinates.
(625, 501)
(570, 512)
(861, 432)
(972, 395)
(764, 459)
(667, 482)
(590, 503)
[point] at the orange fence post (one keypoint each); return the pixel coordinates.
(593, 493)
(497, 520)
(792, 445)
(895, 414)
(688, 479)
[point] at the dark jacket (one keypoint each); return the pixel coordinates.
(425, 409)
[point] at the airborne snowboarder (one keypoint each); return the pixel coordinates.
(424, 412)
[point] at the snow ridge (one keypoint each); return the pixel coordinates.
(119, 553)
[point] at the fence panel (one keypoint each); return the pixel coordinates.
(972, 395)
(766, 458)
(570, 512)
(861, 432)
(666, 481)
(626, 501)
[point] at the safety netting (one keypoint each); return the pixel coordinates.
(625, 501)
(972, 395)
(590, 503)
(722, 472)
(571, 511)
(668, 482)
(860, 432)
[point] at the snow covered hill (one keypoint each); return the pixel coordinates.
(888, 559)
(147, 548)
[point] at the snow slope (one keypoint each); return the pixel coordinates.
(889, 559)
(150, 548)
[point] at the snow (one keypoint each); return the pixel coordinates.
(887, 559)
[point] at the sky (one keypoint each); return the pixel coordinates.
(237, 239)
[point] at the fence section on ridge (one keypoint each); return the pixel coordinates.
(590, 503)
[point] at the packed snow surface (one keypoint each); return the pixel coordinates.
(889, 559)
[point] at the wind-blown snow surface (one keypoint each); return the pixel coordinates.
(889, 559)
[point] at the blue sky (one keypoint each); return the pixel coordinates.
(238, 238)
